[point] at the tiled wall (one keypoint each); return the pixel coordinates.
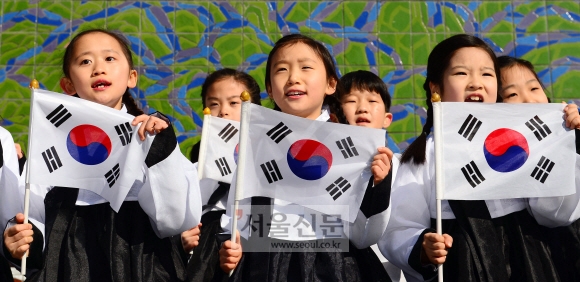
(177, 43)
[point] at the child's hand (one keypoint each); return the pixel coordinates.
(150, 124)
(381, 164)
(571, 116)
(18, 150)
(190, 238)
(17, 238)
(435, 248)
(230, 254)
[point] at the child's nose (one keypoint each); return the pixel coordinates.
(475, 83)
(362, 108)
(292, 79)
(98, 71)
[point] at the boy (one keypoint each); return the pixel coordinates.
(366, 102)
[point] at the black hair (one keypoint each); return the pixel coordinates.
(363, 80)
(127, 99)
(331, 101)
(239, 76)
(437, 63)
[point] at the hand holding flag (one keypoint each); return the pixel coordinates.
(81, 144)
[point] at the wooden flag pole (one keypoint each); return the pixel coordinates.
(244, 131)
(436, 100)
(203, 142)
(33, 85)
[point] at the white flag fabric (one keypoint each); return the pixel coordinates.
(500, 151)
(308, 162)
(81, 144)
(218, 150)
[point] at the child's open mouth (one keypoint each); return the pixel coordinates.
(100, 84)
(362, 120)
(295, 94)
(477, 98)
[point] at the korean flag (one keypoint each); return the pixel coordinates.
(218, 153)
(308, 162)
(81, 144)
(498, 151)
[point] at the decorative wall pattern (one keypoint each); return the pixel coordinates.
(178, 43)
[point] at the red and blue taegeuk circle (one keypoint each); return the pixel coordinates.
(309, 159)
(506, 150)
(88, 144)
(236, 153)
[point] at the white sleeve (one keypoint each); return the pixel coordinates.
(372, 220)
(170, 193)
(11, 197)
(557, 211)
(411, 199)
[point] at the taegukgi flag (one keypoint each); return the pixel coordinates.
(308, 162)
(498, 151)
(218, 153)
(81, 144)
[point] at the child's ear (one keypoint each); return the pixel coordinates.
(331, 87)
(435, 88)
(67, 86)
(132, 79)
(388, 120)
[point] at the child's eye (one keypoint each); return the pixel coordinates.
(306, 67)
(234, 103)
(488, 74)
(85, 62)
(280, 69)
(109, 59)
(511, 95)
(535, 88)
(460, 73)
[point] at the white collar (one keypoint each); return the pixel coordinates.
(324, 113)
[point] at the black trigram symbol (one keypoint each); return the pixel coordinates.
(58, 116)
(223, 166)
(469, 127)
(472, 174)
(125, 132)
(338, 187)
(112, 175)
(539, 128)
(271, 171)
(543, 169)
(279, 132)
(347, 147)
(51, 159)
(228, 132)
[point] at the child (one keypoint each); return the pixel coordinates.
(493, 240)
(82, 237)
(301, 79)
(521, 85)
(220, 92)
(366, 102)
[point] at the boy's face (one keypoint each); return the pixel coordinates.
(364, 108)
(521, 86)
